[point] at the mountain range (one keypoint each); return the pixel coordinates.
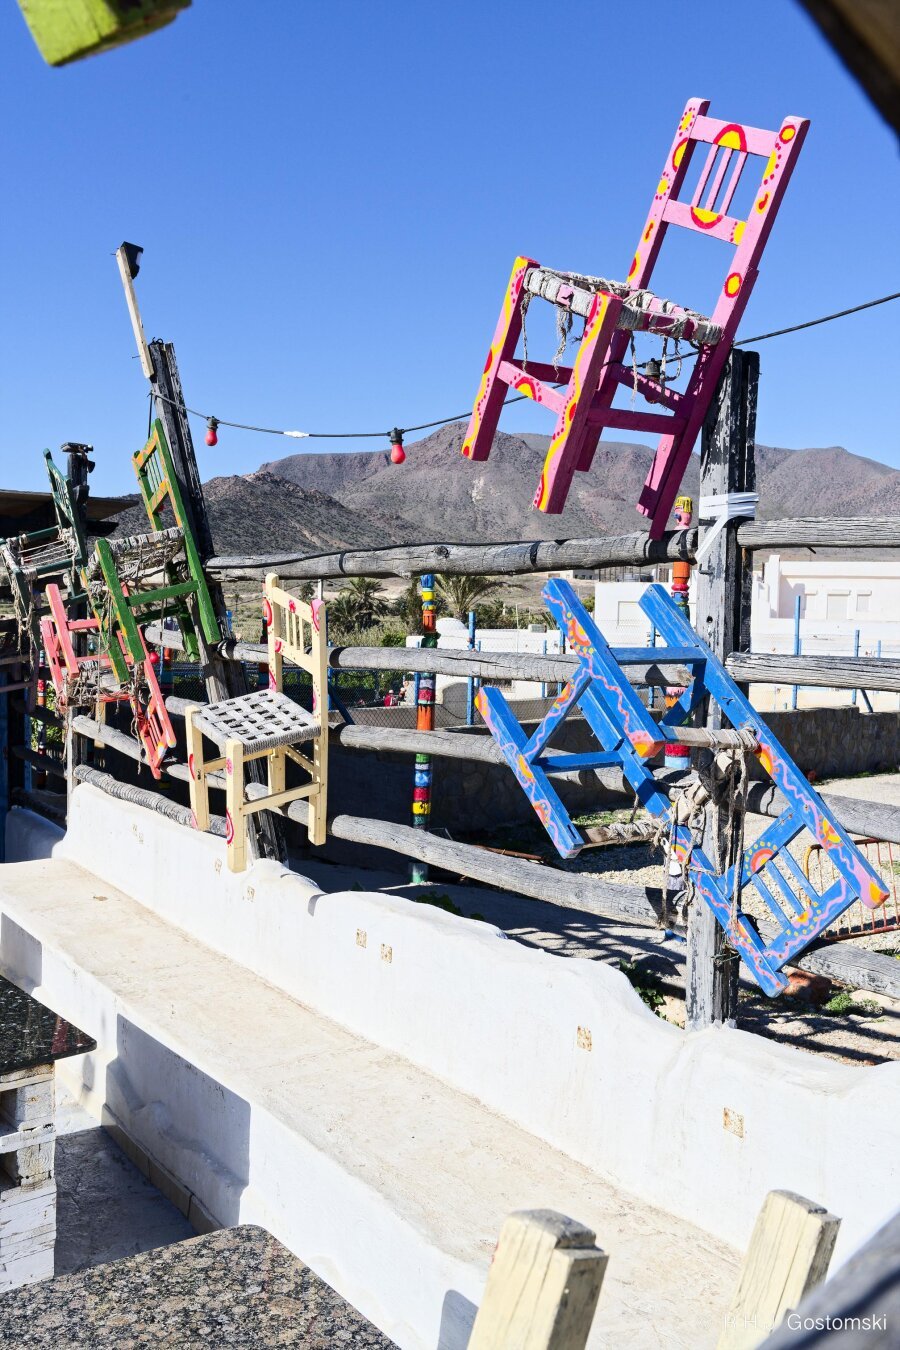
(313, 502)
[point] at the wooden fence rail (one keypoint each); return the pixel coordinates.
(504, 559)
(824, 672)
(552, 555)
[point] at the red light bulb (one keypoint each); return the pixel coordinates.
(211, 437)
(398, 454)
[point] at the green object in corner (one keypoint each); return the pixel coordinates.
(67, 30)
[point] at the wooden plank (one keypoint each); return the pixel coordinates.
(500, 559)
(824, 672)
(857, 1309)
(514, 558)
(868, 532)
(726, 465)
(788, 1256)
(543, 1285)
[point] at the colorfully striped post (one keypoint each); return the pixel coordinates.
(421, 804)
(678, 756)
(470, 683)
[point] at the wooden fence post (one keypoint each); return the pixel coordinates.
(78, 468)
(224, 679)
(789, 1252)
(724, 588)
(542, 1287)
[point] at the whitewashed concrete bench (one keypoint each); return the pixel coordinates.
(32, 1038)
(379, 1084)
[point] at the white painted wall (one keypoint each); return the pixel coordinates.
(644, 1107)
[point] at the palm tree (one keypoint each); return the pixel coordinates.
(361, 603)
(463, 594)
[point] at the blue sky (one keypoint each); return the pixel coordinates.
(330, 198)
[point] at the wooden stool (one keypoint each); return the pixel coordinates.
(267, 724)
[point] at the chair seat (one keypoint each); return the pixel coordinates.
(38, 559)
(141, 553)
(262, 720)
(642, 309)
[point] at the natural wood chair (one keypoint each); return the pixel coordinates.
(267, 724)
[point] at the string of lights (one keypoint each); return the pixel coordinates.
(396, 434)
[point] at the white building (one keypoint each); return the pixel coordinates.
(845, 606)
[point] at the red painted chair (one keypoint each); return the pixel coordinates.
(85, 680)
(613, 311)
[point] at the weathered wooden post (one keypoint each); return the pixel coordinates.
(543, 1285)
(78, 468)
(724, 589)
(789, 1253)
(223, 679)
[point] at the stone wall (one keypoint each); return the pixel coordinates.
(839, 742)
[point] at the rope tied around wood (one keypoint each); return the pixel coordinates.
(723, 779)
(575, 291)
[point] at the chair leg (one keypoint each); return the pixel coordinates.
(276, 765)
(492, 391)
(198, 785)
(236, 826)
(572, 424)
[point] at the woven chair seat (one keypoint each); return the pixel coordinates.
(262, 720)
(143, 553)
(575, 292)
(34, 558)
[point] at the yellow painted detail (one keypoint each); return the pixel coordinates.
(731, 140)
(421, 808)
(679, 154)
(706, 216)
(738, 232)
(788, 133)
(662, 185)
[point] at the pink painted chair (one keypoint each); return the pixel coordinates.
(612, 311)
(84, 680)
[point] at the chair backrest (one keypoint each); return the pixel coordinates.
(731, 146)
(296, 631)
(67, 514)
(158, 482)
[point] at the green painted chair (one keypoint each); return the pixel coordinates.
(55, 554)
(160, 572)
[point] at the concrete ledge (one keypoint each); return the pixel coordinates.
(702, 1124)
(250, 1107)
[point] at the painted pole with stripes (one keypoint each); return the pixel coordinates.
(421, 804)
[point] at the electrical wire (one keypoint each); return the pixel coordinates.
(517, 398)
